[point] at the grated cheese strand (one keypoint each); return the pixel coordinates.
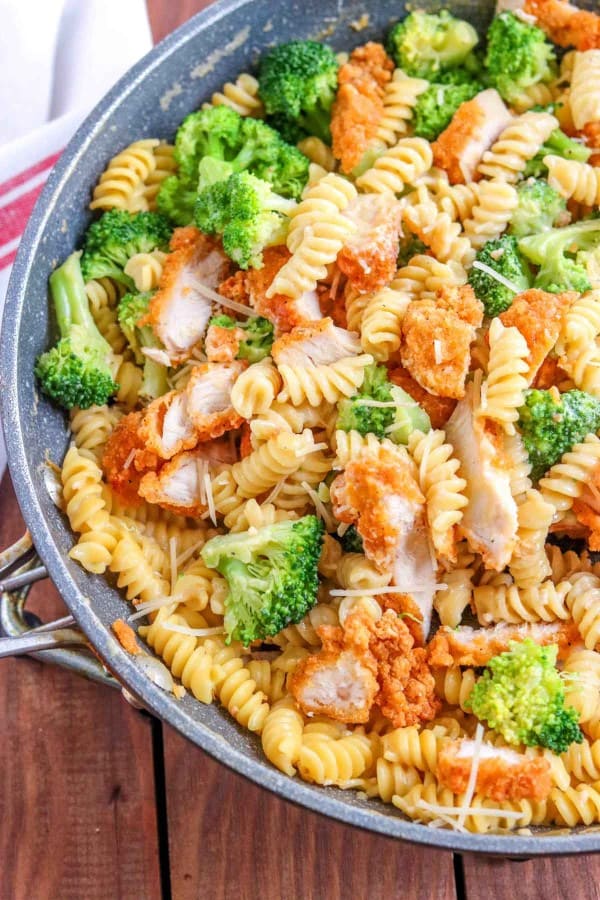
(471, 784)
(496, 276)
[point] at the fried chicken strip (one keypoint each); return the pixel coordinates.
(369, 256)
(466, 646)
(503, 774)
(539, 317)
(565, 24)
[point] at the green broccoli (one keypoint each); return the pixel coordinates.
(351, 541)
(558, 144)
(212, 144)
(561, 254)
(425, 44)
(130, 310)
(271, 575)
(550, 426)
(436, 106)
(410, 245)
(518, 56)
(258, 338)
(78, 370)
(246, 213)
(539, 208)
(382, 409)
(297, 84)
(522, 696)
(116, 236)
(501, 256)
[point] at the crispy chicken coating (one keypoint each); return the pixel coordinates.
(200, 412)
(549, 374)
(339, 681)
(125, 459)
(320, 343)
(380, 495)
(252, 286)
(358, 107)
(222, 344)
(369, 256)
(466, 646)
(587, 509)
(439, 409)
(473, 129)
(179, 311)
(436, 339)
(539, 317)
(126, 637)
(503, 774)
(367, 662)
(180, 485)
(566, 25)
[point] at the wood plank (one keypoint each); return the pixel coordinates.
(165, 15)
(76, 777)
(230, 839)
(541, 879)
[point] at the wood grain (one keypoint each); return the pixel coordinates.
(76, 777)
(541, 879)
(230, 839)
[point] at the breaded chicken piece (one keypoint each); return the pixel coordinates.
(489, 520)
(367, 662)
(565, 24)
(125, 459)
(502, 774)
(466, 646)
(539, 317)
(126, 637)
(179, 485)
(406, 684)
(436, 339)
(369, 256)
(473, 129)
(549, 374)
(179, 311)
(358, 106)
(379, 494)
(439, 409)
(587, 509)
(339, 681)
(200, 412)
(222, 344)
(320, 343)
(252, 286)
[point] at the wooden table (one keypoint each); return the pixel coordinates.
(99, 801)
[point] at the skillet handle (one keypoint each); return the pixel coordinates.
(60, 643)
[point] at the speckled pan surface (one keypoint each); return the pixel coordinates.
(150, 101)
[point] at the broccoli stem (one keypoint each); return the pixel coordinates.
(317, 121)
(154, 383)
(562, 145)
(69, 297)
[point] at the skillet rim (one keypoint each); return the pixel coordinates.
(326, 801)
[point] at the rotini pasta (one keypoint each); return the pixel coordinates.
(518, 143)
(399, 99)
(584, 97)
(574, 180)
(241, 96)
(403, 164)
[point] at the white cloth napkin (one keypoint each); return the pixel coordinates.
(59, 57)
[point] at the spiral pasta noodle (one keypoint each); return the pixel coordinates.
(91, 427)
(574, 180)
(441, 485)
(165, 165)
(304, 632)
(255, 390)
(121, 184)
(282, 736)
(581, 324)
(236, 689)
(399, 99)
(314, 384)
(186, 656)
(326, 761)
(276, 459)
(380, 324)
(454, 685)
(241, 96)
(490, 215)
(539, 94)
(584, 97)
(565, 481)
(503, 391)
(145, 269)
(403, 164)
(318, 152)
(418, 749)
(350, 444)
(518, 143)
(583, 602)
(439, 232)
(529, 564)
(134, 574)
(102, 292)
(582, 683)
(575, 806)
(546, 602)
(425, 275)
(457, 585)
(355, 572)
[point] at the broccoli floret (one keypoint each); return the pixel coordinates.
(397, 419)
(115, 237)
(435, 107)
(424, 44)
(558, 144)
(247, 214)
(561, 254)
(130, 310)
(297, 84)
(410, 245)
(518, 56)
(502, 256)
(351, 541)
(539, 208)
(522, 695)
(551, 426)
(258, 338)
(271, 574)
(77, 371)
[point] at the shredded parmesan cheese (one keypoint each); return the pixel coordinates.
(366, 592)
(275, 491)
(471, 784)
(193, 632)
(319, 506)
(496, 276)
(437, 352)
(187, 554)
(210, 500)
(150, 606)
(130, 458)
(223, 301)
(173, 561)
